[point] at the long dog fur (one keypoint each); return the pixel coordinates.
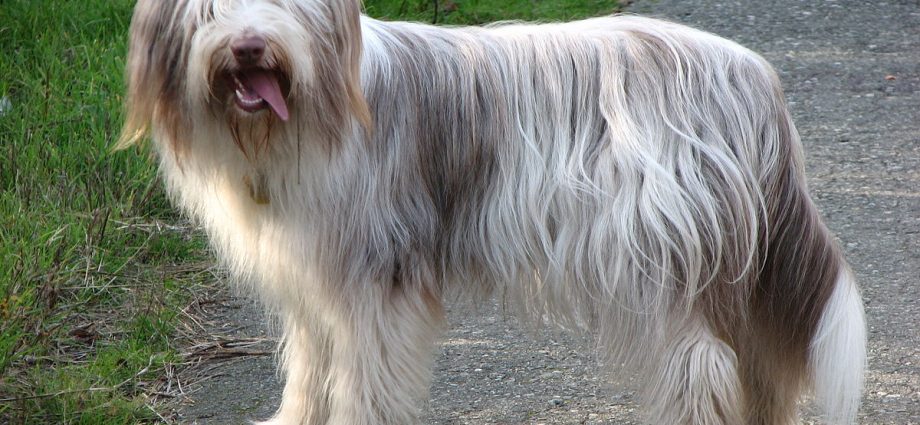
(635, 178)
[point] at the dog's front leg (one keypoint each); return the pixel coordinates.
(306, 361)
(361, 360)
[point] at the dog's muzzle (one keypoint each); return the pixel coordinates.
(256, 88)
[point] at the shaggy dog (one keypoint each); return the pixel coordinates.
(633, 178)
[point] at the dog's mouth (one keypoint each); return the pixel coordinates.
(257, 89)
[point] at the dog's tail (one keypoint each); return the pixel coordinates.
(807, 298)
(811, 315)
(838, 352)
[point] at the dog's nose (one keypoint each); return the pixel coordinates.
(248, 50)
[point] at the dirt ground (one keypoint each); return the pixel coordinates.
(851, 70)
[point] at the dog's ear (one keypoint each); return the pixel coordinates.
(156, 62)
(346, 16)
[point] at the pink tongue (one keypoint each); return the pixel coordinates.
(265, 83)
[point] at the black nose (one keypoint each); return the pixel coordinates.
(248, 50)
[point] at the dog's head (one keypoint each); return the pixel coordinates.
(254, 66)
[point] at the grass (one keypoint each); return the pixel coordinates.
(90, 252)
(473, 12)
(95, 266)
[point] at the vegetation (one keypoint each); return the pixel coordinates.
(473, 12)
(95, 266)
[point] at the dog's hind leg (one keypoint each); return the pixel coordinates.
(694, 381)
(772, 383)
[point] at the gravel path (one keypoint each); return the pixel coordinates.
(852, 74)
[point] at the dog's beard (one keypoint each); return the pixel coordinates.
(251, 132)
